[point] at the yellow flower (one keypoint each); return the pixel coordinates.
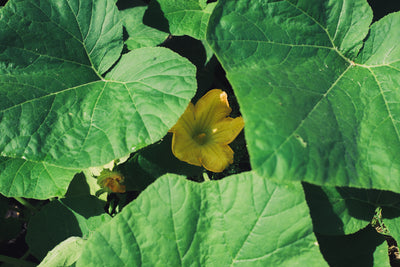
(202, 134)
(111, 181)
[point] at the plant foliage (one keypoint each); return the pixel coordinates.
(87, 85)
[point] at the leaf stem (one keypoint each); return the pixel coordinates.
(26, 204)
(15, 261)
(205, 177)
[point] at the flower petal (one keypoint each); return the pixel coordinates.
(185, 148)
(216, 157)
(185, 124)
(211, 108)
(115, 186)
(226, 130)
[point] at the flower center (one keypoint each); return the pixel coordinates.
(201, 138)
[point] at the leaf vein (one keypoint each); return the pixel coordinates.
(309, 113)
(234, 260)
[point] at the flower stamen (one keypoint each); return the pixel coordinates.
(201, 138)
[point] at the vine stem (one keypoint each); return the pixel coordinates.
(16, 262)
(205, 177)
(26, 204)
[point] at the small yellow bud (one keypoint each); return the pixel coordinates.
(111, 181)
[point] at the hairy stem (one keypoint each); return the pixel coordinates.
(26, 204)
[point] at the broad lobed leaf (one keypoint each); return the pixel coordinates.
(19, 177)
(344, 210)
(55, 107)
(140, 35)
(187, 17)
(241, 220)
(319, 104)
(64, 254)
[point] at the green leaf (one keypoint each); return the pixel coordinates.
(55, 107)
(39, 180)
(319, 104)
(140, 35)
(64, 254)
(152, 162)
(381, 258)
(77, 33)
(200, 54)
(241, 220)
(60, 219)
(187, 17)
(344, 210)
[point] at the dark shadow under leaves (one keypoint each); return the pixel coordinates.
(351, 250)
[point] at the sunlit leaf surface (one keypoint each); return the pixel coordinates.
(320, 105)
(176, 222)
(187, 17)
(60, 106)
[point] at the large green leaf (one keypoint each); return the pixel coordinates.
(243, 220)
(64, 254)
(344, 210)
(39, 180)
(140, 35)
(319, 104)
(84, 34)
(187, 17)
(55, 107)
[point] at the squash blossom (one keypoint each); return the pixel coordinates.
(202, 134)
(111, 181)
